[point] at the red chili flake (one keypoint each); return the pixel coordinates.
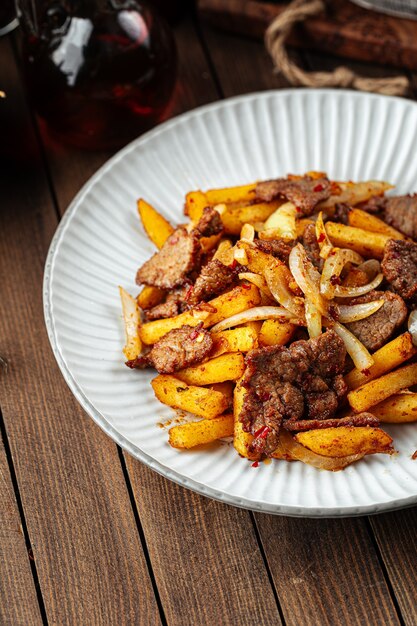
(333, 312)
(297, 208)
(255, 464)
(265, 396)
(188, 293)
(321, 238)
(173, 240)
(194, 333)
(233, 264)
(263, 432)
(318, 188)
(366, 372)
(414, 456)
(245, 286)
(335, 280)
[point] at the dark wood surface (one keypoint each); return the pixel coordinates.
(90, 536)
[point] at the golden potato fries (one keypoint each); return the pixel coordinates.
(226, 389)
(382, 388)
(302, 224)
(386, 359)
(240, 339)
(150, 297)
(362, 241)
(276, 333)
(234, 218)
(156, 226)
(227, 195)
(228, 304)
(400, 408)
(241, 439)
(366, 221)
(345, 441)
(225, 367)
(197, 400)
(197, 433)
(195, 203)
(131, 320)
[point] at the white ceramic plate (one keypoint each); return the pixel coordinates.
(99, 245)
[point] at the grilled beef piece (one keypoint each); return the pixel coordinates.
(213, 280)
(176, 261)
(174, 304)
(283, 384)
(210, 223)
(361, 419)
(304, 192)
(375, 330)
(312, 247)
(277, 247)
(401, 213)
(177, 349)
(341, 213)
(375, 205)
(399, 266)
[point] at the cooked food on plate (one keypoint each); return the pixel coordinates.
(282, 314)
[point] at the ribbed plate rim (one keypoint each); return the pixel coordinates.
(99, 417)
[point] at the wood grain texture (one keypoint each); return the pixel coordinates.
(18, 602)
(79, 516)
(344, 29)
(205, 555)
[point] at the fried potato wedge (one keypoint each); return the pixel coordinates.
(366, 243)
(345, 441)
(228, 304)
(131, 320)
(227, 195)
(385, 359)
(150, 297)
(234, 218)
(227, 389)
(276, 333)
(240, 339)
(400, 408)
(366, 221)
(194, 434)
(301, 225)
(195, 203)
(156, 226)
(224, 367)
(382, 388)
(200, 401)
(241, 439)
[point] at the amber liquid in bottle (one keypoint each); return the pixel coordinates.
(99, 73)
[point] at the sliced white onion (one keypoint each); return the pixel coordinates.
(247, 233)
(371, 267)
(323, 240)
(258, 280)
(412, 326)
(307, 278)
(131, 318)
(295, 450)
(255, 314)
(283, 221)
(357, 351)
(277, 277)
(313, 319)
(239, 254)
(333, 267)
(354, 193)
(353, 292)
(356, 312)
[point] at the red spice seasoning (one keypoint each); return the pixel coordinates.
(318, 187)
(255, 464)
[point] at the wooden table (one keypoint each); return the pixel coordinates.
(88, 534)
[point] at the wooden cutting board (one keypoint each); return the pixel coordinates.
(345, 29)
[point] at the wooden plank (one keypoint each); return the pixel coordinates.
(312, 562)
(199, 549)
(205, 555)
(397, 541)
(18, 602)
(88, 553)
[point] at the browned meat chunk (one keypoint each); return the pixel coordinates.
(213, 280)
(174, 304)
(312, 247)
(400, 266)
(177, 349)
(374, 205)
(172, 266)
(375, 330)
(341, 213)
(301, 381)
(305, 192)
(401, 213)
(210, 223)
(361, 419)
(277, 247)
